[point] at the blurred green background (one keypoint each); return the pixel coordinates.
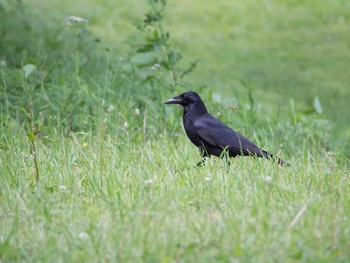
(281, 50)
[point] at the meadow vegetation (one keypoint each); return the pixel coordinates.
(94, 167)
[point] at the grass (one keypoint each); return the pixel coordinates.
(117, 176)
(102, 201)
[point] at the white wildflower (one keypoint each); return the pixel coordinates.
(207, 178)
(63, 188)
(149, 181)
(110, 108)
(156, 66)
(77, 19)
(83, 235)
(268, 179)
(136, 112)
(126, 125)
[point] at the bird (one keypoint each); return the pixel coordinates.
(210, 135)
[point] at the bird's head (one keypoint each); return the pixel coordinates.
(184, 99)
(190, 101)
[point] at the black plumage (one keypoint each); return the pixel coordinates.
(210, 135)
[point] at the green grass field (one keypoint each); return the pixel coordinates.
(82, 110)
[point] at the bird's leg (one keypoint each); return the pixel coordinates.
(204, 155)
(202, 161)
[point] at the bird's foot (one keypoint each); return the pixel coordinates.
(202, 162)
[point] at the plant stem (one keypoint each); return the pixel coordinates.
(32, 141)
(164, 51)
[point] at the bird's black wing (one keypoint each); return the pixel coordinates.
(213, 132)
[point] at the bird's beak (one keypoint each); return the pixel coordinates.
(174, 100)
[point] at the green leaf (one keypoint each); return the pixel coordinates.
(145, 48)
(308, 111)
(23, 110)
(173, 58)
(190, 68)
(31, 137)
(238, 251)
(28, 69)
(144, 73)
(126, 68)
(3, 63)
(144, 59)
(317, 105)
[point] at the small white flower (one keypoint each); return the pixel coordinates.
(110, 108)
(136, 112)
(268, 179)
(207, 178)
(77, 19)
(126, 125)
(83, 235)
(149, 181)
(63, 188)
(156, 66)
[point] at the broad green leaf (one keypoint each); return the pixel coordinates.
(126, 68)
(31, 137)
(144, 72)
(145, 48)
(317, 105)
(144, 59)
(28, 69)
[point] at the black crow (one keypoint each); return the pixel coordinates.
(210, 135)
